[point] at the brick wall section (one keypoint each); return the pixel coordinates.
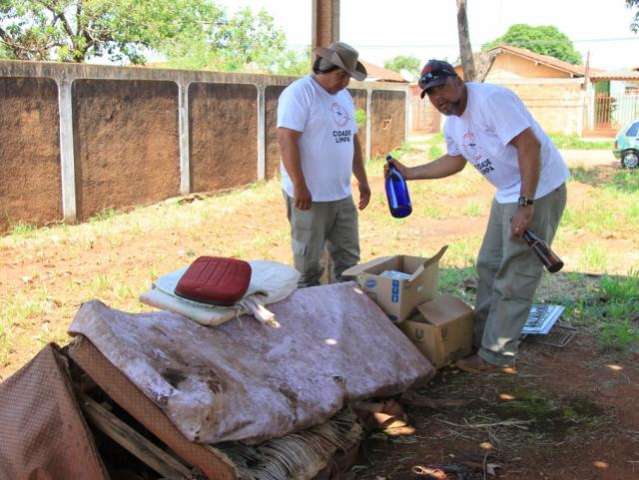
(30, 184)
(389, 119)
(223, 131)
(272, 148)
(126, 143)
(558, 107)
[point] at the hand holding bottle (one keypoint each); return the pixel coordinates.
(546, 256)
(392, 162)
(396, 189)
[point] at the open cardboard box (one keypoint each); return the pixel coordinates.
(442, 329)
(399, 297)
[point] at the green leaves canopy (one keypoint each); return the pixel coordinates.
(189, 33)
(76, 30)
(403, 62)
(546, 40)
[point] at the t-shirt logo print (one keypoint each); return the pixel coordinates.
(476, 154)
(470, 146)
(340, 115)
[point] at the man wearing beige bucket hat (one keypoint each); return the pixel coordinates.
(317, 135)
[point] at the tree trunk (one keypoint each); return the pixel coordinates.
(465, 50)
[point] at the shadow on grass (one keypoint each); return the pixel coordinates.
(608, 177)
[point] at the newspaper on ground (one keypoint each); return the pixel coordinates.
(542, 318)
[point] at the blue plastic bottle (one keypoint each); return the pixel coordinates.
(397, 192)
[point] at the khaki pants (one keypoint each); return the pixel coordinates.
(509, 273)
(330, 224)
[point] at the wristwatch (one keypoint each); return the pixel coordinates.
(524, 201)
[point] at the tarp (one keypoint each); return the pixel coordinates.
(43, 435)
(246, 381)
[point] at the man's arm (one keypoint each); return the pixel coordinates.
(359, 170)
(289, 148)
(444, 166)
(528, 156)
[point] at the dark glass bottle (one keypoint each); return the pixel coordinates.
(549, 258)
(397, 192)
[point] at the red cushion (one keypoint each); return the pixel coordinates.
(216, 280)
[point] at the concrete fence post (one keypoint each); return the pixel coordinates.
(369, 122)
(261, 132)
(408, 114)
(67, 158)
(183, 129)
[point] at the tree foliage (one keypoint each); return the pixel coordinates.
(546, 40)
(244, 42)
(404, 62)
(189, 33)
(77, 30)
(634, 26)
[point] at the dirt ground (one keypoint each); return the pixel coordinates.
(569, 413)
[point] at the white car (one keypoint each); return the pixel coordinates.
(627, 145)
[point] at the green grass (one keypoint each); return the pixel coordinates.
(575, 142)
(22, 229)
(106, 214)
(434, 152)
(473, 209)
(610, 311)
(626, 181)
(593, 258)
(16, 311)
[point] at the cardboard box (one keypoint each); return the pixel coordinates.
(442, 329)
(399, 297)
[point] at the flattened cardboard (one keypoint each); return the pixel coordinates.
(399, 298)
(442, 329)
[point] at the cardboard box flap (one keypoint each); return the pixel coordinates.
(429, 261)
(442, 309)
(363, 267)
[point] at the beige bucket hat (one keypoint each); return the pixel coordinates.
(343, 56)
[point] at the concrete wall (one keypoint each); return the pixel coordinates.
(223, 128)
(558, 105)
(507, 66)
(30, 176)
(389, 121)
(126, 143)
(77, 139)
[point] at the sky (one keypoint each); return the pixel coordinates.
(380, 30)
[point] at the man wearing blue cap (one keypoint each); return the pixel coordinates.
(489, 127)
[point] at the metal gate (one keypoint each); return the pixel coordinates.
(613, 112)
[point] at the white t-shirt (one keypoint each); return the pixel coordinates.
(327, 123)
(494, 115)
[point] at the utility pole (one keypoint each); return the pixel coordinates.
(465, 50)
(325, 23)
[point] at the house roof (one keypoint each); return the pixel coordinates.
(376, 72)
(615, 75)
(552, 62)
(483, 61)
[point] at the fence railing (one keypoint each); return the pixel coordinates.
(613, 112)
